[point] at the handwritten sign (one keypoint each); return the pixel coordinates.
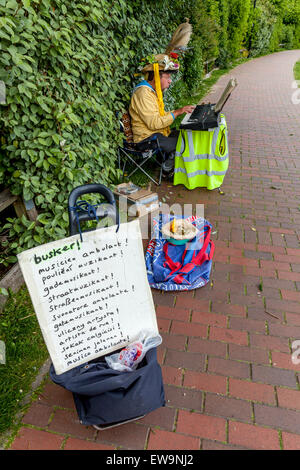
(91, 297)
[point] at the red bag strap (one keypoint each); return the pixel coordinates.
(197, 260)
(202, 255)
(174, 266)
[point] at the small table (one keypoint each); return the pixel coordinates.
(202, 157)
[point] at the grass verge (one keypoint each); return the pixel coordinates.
(297, 71)
(26, 352)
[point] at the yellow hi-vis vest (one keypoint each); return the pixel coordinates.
(202, 158)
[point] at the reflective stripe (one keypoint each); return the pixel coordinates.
(202, 157)
(179, 153)
(200, 172)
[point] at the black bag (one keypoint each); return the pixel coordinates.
(105, 396)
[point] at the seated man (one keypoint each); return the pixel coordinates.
(148, 118)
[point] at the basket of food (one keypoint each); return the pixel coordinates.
(179, 231)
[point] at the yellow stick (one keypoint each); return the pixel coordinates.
(159, 94)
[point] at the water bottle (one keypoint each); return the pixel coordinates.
(129, 358)
(129, 355)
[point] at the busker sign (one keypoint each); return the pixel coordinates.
(91, 297)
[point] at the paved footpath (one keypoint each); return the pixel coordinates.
(226, 355)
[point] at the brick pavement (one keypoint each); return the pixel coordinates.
(229, 378)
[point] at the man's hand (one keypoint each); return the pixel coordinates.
(186, 109)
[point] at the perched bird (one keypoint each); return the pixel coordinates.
(180, 38)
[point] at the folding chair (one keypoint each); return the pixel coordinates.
(131, 152)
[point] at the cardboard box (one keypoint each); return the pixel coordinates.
(142, 204)
(139, 210)
(142, 195)
(137, 202)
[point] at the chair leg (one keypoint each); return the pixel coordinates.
(139, 167)
(119, 163)
(145, 173)
(160, 175)
(124, 165)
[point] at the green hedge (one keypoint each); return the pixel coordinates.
(68, 69)
(69, 66)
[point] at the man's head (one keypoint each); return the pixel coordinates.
(165, 79)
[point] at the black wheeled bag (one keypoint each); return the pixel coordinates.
(104, 396)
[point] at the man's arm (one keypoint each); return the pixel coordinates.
(185, 109)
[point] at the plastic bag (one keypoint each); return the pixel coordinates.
(129, 358)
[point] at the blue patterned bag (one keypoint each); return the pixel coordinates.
(179, 267)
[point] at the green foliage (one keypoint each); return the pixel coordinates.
(204, 43)
(264, 20)
(272, 25)
(194, 70)
(297, 71)
(58, 127)
(224, 56)
(25, 354)
(291, 29)
(68, 68)
(237, 25)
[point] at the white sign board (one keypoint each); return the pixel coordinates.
(91, 297)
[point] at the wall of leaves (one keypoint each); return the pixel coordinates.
(69, 66)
